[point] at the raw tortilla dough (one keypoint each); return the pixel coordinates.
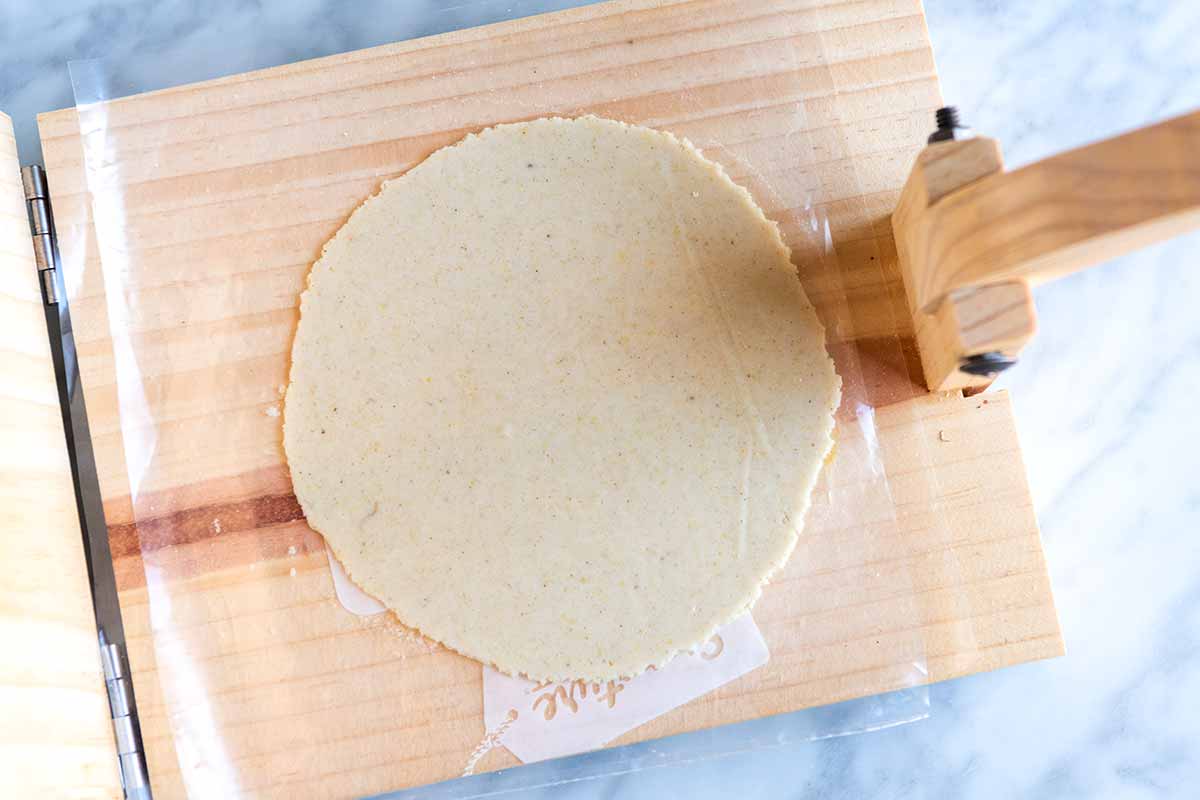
(558, 399)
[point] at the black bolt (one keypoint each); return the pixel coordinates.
(947, 123)
(986, 364)
(947, 117)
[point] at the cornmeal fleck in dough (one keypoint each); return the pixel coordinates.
(558, 399)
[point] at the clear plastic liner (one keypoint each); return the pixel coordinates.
(148, 294)
(814, 724)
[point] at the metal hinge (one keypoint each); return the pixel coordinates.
(121, 706)
(116, 679)
(41, 227)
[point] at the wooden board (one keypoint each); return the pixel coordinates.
(56, 737)
(250, 676)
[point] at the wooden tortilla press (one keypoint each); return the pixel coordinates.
(973, 239)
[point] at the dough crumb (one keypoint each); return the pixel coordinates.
(272, 410)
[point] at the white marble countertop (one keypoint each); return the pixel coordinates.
(1104, 395)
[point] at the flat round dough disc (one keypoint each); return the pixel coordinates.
(558, 399)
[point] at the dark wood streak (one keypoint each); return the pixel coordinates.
(198, 524)
(877, 371)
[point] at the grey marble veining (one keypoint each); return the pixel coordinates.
(1105, 396)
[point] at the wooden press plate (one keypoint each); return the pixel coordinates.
(56, 737)
(243, 179)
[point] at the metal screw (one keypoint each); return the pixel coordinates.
(986, 365)
(947, 123)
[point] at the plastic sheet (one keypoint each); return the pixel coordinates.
(148, 295)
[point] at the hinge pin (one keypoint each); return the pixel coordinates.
(116, 680)
(41, 228)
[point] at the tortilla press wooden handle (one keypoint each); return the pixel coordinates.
(973, 239)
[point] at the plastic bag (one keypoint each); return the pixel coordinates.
(161, 290)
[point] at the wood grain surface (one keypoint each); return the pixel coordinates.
(252, 679)
(56, 736)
